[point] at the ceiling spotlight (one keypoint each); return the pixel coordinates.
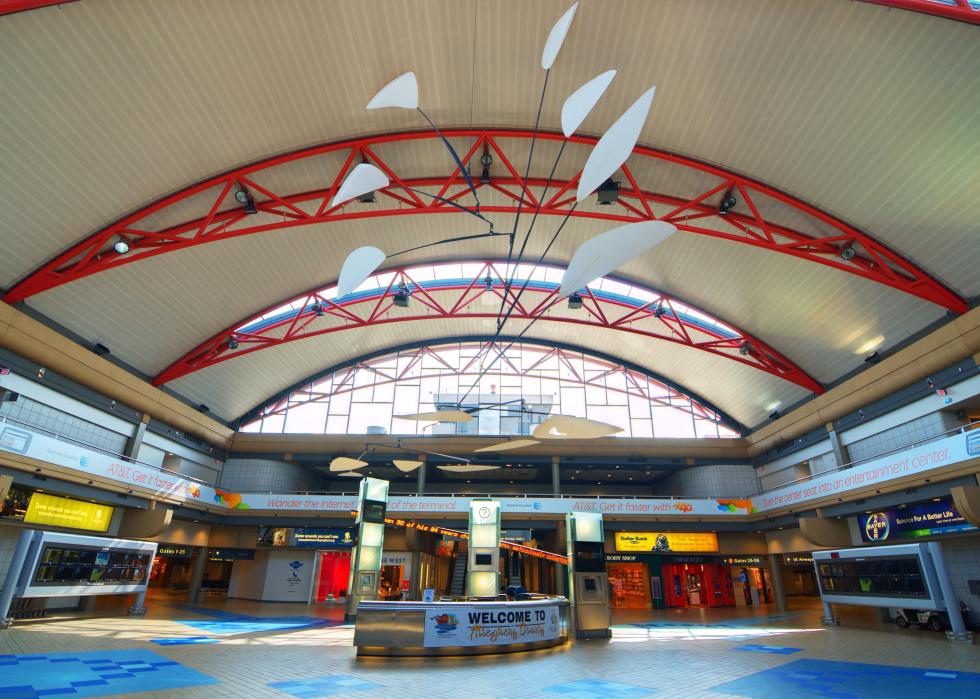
(847, 253)
(608, 193)
(318, 309)
(660, 311)
(100, 349)
(232, 343)
(774, 415)
(245, 199)
(121, 247)
(488, 283)
(727, 202)
(203, 408)
(873, 358)
(745, 348)
(486, 160)
(575, 301)
(400, 299)
(367, 198)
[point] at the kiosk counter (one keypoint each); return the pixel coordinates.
(476, 627)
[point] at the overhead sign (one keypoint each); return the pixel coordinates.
(797, 559)
(666, 542)
(171, 551)
(487, 625)
(62, 512)
(224, 555)
(319, 537)
(913, 522)
(754, 561)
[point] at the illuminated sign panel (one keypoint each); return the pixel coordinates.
(913, 522)
(62, 512)
(666, 542)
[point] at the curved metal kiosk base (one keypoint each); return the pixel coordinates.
(460, 628)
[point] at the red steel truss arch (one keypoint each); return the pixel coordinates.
(842, 247)
(316, 315)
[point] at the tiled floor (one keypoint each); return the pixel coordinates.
(679, 653)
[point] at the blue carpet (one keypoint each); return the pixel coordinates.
(324, 686)
(183, 641)
(589, 689)
(226, 626)
(827, 678)
(781, 650)
(93, 674)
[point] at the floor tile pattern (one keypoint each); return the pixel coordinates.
(92, 674)
(825, 678)
(779, 650)
(325, 686)
(590, 689)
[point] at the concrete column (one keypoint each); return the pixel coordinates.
(950, 600)
(777, 582)
(421, 474)
(840, 449)
(828, 618)
(197, 575)
(555, 476)
(134, 443)
(13, 575)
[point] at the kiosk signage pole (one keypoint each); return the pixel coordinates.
(483, 564)
(588, 585)
(365, 569)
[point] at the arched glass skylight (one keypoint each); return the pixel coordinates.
(365, 397)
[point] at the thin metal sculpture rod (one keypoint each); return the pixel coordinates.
(520, 202)
(452, 151)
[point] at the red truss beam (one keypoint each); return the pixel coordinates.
(9, 7)
(635, 382)
(960, 10)
(434, 300)
(221, 218)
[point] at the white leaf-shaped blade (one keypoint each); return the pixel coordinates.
(364, 178)
(556, 37)
(568, 427)
(402, 92)
(507, 446)
(615, 146)
(357, 268)
(344, 463)
(438, 416)
(468, 468)
(351, 474)
(600, 255)
(580, 103)
(405, 465)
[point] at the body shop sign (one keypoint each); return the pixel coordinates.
(451, 625)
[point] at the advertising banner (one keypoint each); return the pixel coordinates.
(62, 512)
(921, 459)
(913, 522)
(666, 541)
(490, 626)
(40, 446)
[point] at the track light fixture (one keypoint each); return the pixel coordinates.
(575, 301)
(873, 358)
(745, 349)
(660, 311)
(847, 253)
(318, 309)
(121, 247)
(203, 408)
(100, 349)
(486, 160)
(245, 199)
(774, 415)
(727, 202)
(232, 343)
(367, 198)
(608, 192)
(400, 299)
(488, 283)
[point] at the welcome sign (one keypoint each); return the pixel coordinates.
(504, 625)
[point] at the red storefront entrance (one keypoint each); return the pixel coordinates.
(697, 585)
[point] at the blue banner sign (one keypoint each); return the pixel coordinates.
(318, 537)
(913, 522)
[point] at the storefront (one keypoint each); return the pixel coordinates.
(632, 583)
(333, 555)
(172, 567)
(798, 575)
(749, 579)
(396, 576)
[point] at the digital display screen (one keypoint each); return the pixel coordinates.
(589, 557)
(483, 559)
(373, 511)
(62, 564)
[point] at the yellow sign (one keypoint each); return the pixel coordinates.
(62, 512)
(666, 541)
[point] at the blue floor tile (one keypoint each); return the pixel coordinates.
(183, 641)
(779, 650)
(325, 686)
(94, 674)
(591, 688)
(826, 678)
(231, 625)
